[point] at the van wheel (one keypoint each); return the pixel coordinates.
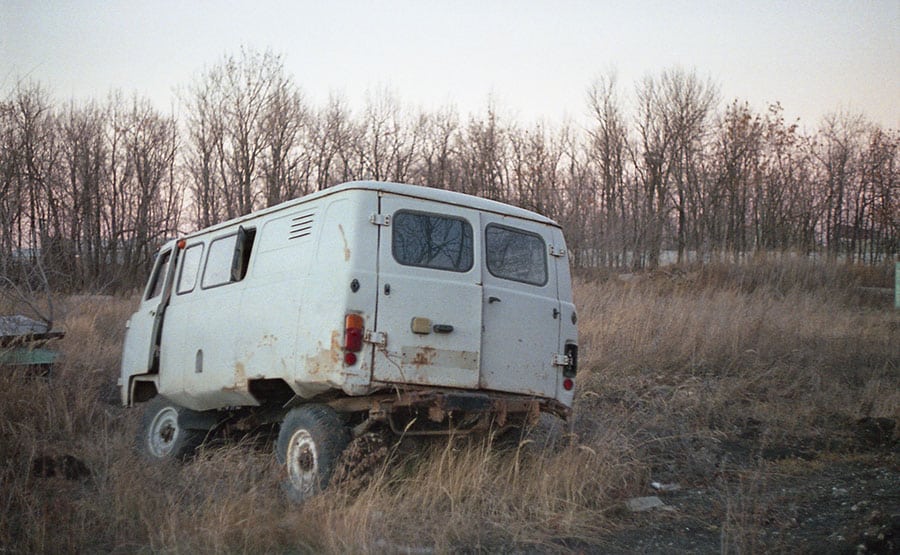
(160, 437)
(310, 440)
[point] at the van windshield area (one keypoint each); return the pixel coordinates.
(515, 254)
(432, 241)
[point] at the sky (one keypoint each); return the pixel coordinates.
(533, 59)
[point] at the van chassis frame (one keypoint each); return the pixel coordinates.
(480, 410)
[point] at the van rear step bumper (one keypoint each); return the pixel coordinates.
(447, 411)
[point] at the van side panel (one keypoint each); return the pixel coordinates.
(199, 362)
(285, 318)
(568, 334)
(344, 252)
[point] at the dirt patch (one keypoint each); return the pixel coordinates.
(800, 496)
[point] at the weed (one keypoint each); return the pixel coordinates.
(676, 368)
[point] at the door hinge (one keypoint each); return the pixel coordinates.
(378, 338)
(561, 360)
(557, 251)
(380, 219)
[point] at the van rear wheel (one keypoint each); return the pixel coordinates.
(161, 437)
(310, 441)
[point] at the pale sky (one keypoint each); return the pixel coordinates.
(535, 59)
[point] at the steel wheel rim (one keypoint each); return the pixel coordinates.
(163, 432)
(302, 461)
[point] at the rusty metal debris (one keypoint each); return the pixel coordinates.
(22, 341)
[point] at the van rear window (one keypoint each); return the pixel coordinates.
(515, 254)
(432, 241)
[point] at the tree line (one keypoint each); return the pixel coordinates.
(89, 190)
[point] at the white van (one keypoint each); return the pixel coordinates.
(367, 304)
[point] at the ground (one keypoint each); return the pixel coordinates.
(839, 496)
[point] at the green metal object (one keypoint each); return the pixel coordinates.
(23, 356)
(897, 285)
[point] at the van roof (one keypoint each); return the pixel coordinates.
(414, 191)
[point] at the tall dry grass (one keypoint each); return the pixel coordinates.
(804, 339)
(672, 365)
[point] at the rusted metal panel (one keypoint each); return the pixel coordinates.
(20, 330)
(428, 359)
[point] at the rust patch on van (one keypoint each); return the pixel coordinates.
(335, 346)
(346, 245)
(240, 378)
(267, 340)
(325, 360)
(423, 356)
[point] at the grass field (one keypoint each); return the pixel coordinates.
(680, 371)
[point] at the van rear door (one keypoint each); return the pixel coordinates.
(521, 307)
(429, 294)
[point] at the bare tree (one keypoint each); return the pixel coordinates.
(205, 132)
(608, 154)
(483, 156)
(880, 206)
(285, 166)
(438, 166)
(736, 171)
(838, 153)
(330, 139)
(245, 127)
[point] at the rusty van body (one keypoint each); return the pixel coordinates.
(369, 303)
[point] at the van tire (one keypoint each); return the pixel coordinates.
(310, 441)
(161, 437)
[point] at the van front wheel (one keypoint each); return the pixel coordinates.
(310, 440)
(161, 437)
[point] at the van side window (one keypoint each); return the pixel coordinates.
(190, 267)
(242, 247)
(159, 276)
(432, 241)
(516, 254)
(228, 258)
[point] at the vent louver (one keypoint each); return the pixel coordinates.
(301, 226)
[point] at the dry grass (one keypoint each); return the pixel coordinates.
(804, 350)
(672, 365)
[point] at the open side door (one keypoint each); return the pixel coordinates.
(142, 341)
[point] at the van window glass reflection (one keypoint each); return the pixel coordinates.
(432, 241)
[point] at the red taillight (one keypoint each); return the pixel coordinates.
(353, 333)
(349, 359)
(568, 384)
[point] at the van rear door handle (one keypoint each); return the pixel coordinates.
(492, 300)
(442, 328)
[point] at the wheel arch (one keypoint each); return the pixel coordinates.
(142, 388)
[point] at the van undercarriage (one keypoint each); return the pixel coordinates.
(404, 411)
(434, 411)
